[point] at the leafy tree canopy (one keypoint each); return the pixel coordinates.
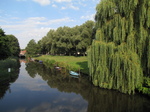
(32, 48)
(120, 53)
(9, 45)
(68, 41)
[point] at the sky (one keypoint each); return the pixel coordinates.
(32, 19)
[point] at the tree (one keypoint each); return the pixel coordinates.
(32, 48)
(68, 41)
(4, 46)
(85, 36)
(9, 45)
(13, 45)
(120, 53)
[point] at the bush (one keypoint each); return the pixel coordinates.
(10, 62)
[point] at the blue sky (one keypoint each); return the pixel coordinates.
(32, 19)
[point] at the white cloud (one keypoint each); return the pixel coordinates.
(21, 0)
(54, 5)
(34, 20)
(73, 7)
(88, 17)
(4, 21)
(33, 28)
(70, 6)
(42, 2)
(63, 0)
(44, 21)
(58, 21)
(63, 8)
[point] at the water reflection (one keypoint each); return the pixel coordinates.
(32, 93)
(41, 88)
(98, 99)
(8, 76)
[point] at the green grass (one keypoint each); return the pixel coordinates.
(70, 62)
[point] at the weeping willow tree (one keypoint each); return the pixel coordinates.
(120, 54)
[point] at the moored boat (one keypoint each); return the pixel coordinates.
(74, 73)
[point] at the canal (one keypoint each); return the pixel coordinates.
(38, 88)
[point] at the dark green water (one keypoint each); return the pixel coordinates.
(41, 89)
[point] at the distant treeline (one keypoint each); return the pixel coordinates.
(64, 40)
(9, 45)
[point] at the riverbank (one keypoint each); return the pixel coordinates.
(11, 62)
(81, 63)
(69, 62)
(9, 70)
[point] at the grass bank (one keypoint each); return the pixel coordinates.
(70, 62)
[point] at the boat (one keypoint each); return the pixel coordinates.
(74, 73)
(58, 68)
(40, 61)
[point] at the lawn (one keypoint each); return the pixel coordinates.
(70, 62)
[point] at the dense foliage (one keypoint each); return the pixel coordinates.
(9, 45)
(120, 54)
(66, 40)
(32, 48)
